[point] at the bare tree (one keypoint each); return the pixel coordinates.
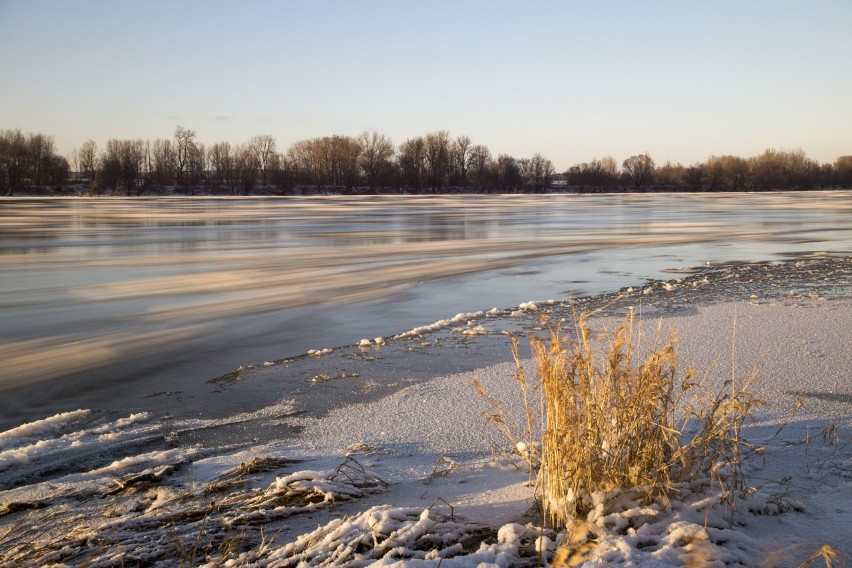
(669, 175)
(509, 173)
(282, 175)
(330, 160)
(726, 172)
(800, 171)
(767, 170)
(132, 158)
(437, 154)
(110, 161)
(460, 157)
(345, 151)
(221, 161)
(609, 167)
(639, 170)
(40, 150)
(480, 164)
(87, 158)
(597, 174)
(843, 171)
(163, 162)
(5, 185)
(29, 160)
(184, 149)
(540, 172)
(121, 164)
(693, 176)
(56, 171)
(376, 153)
(301, 158)
(13, 160)
(735, 172)
(264, 150)
(714, 173)
(74, 161)
(784, 169)
(412, 162)
(196, 165)
(245, 168)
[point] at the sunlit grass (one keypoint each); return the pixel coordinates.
(619, 414)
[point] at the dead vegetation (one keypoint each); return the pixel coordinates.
(147, 520)
(827, 554)
(613, 421)
(236, 477)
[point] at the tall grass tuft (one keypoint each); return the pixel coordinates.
(612, 420)
(825, 553)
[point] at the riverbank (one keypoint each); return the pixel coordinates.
(297, 479)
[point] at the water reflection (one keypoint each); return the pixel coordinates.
(93, 289)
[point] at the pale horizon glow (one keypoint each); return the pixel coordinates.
(571, 80)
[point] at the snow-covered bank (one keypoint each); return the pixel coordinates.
(417, 477)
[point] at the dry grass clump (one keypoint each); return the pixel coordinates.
(612, 420)
(236, 477)
(608, 422)
(825, 553)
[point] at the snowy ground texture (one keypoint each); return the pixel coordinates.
(417, 479)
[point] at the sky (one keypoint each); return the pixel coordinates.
(571, 80)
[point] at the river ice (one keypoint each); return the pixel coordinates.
(104, 302)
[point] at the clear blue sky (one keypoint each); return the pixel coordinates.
(572, 80)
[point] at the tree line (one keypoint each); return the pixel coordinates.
(29, 160)
(771, 170)
(371, 163)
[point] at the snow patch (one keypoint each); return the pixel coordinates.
(438, 325)
(27, 432)
(319, 352)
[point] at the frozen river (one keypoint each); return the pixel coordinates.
(108, 298)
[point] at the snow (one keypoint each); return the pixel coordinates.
(319, 352)
(418, 478)
(30, 431)
(442, 324)
(20, 445)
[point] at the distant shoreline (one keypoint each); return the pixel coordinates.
(201, 192)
